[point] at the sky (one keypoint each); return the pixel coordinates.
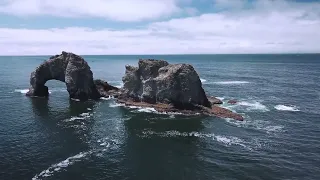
(97, 27)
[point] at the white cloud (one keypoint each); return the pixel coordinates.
(119, 10)
(263, 29)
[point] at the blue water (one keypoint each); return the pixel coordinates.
(279, 96)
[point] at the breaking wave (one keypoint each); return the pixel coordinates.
(147, 110)
(286, 108)
(61, 165)
(118, 84)
(81, 116)
(107, 98)
(247, 106)
(203, 80)
(265, 126)
(225, 140)
(104, 144)
(22, 91)
(253, 105)
(144, 109)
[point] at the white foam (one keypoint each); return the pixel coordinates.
(286, 108)
(271, 129)
(86, 115)
(22, 91)
(257, 124)
(145, 109)
(230, 141)
(220, 98)
(253, 106)
(113, 104)
(231, 82)
(148, 110)
(74, 118)
(81, 116)
(107, 98)
(225, 140)
(61, 165)
(134, 107)
(203, 80)
(120, 85)
(73, 99)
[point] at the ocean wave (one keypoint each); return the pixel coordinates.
(144, 109)
(118, 84)
(147, 110)
(225, 140)
(221, 98)
(246, 106)
(113, 104)
(231, 82)
(265, 126)
(107, 143)
(80, 117)
(203, 80)
(107, 98)
(253, 105)
(286, 108)
(61, 165)
(22, 91)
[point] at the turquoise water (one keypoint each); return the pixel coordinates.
(279, 96)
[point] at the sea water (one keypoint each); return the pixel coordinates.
(58, 138)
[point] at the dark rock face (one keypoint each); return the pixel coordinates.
(66, 67)
(157, 81)
(106, 89)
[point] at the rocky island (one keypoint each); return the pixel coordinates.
(154, 83)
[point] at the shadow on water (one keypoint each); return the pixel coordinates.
(162, 145)
(64, 120)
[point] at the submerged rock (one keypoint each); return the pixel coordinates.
(69, 68)
(232, 101)
(157, 81)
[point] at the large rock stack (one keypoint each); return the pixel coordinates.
(157, 81)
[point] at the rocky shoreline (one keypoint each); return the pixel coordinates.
(153, 84)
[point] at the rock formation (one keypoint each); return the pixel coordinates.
(169, 88)
(232, 101)
(157, 81)
(154, 83)
(66, 67)
(106, 89)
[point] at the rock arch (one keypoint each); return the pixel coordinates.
(69, 68)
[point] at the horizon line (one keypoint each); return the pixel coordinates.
(306, 53)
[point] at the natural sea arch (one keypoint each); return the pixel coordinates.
(69, 68)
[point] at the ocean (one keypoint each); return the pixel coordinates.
(61, 139)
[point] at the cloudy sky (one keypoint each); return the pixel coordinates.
(45, 27)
